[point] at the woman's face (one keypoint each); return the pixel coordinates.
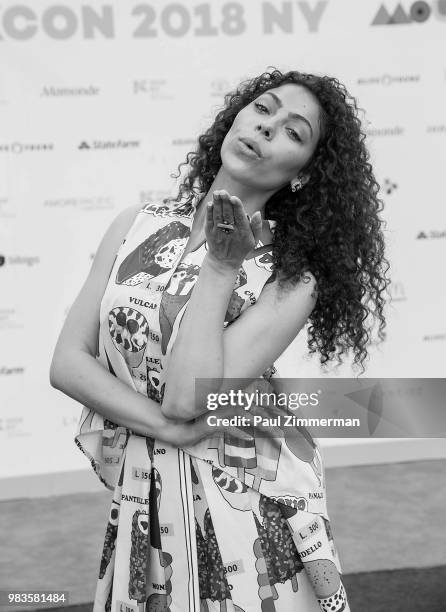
(282, 124)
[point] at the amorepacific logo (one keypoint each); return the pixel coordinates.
(86, 203)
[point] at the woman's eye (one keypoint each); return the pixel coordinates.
(260, 106)
(295, 135)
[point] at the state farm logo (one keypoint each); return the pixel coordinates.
(431, 234)
(9, 371)
(108, 144)
(418, 12)
(433, 337)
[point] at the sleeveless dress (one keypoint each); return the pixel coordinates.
(224, 525)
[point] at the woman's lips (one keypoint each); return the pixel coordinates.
(243, 148)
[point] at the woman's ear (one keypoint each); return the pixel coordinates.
(305, 177)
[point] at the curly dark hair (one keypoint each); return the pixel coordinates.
(330, 227)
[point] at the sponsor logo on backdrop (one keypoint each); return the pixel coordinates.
(10, 371)
(26, 147)
(155, 88)
(219, 87)
(389, 79)
(396, 130)
(175, 20)
(19, 260)
(12, 426)
(389, 186)
(436, 129)
(50, 91)
(86, 203)
(416, 12)
(95, 145)
(7, 316)
(425, 235)
(181, 142)
(433, 337)
(70, 421)
(4, 206)
(397, 292)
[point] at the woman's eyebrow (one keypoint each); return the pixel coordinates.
(279, 103)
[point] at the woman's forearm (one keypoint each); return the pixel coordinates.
(198, 348)
(80, 376)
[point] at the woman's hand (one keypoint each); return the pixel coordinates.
(229, 249)
(186, 433)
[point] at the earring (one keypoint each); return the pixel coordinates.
(296, 184)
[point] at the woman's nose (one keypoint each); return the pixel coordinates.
(266, 129)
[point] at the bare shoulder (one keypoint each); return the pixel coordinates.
(126, 217)
(113, 238)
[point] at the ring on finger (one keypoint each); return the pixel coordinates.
(225, 226)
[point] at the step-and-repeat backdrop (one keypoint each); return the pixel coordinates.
(101, 100)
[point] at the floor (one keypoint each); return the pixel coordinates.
(384, 517)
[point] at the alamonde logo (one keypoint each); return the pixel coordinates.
(418, 12)
(50, 91)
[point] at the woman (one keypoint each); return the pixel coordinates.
(279, 226)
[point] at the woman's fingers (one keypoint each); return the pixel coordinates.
(257, 225)
(210, 215)
(240, 218)
(226, 205)
(218, 207)
(230, 208)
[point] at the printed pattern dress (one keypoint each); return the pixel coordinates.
(222, 525)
